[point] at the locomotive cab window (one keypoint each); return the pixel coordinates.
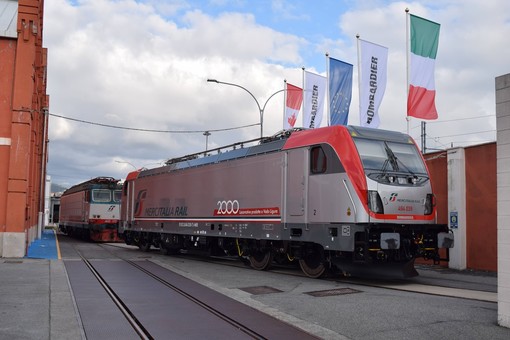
(318, 160)
(101, 195)
(324, 160)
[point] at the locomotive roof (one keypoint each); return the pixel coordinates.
(98, 182)
(371, 133)
(194, 160)
(267, 145)
(225, 153)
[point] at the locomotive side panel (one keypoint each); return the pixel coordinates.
(296, 184)
(74, 209)
(238, 198)
(329, 200)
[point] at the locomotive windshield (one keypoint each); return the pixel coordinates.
(101, 195)
(117, 195)
(390, 157)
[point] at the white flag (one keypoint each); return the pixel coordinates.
(374, 59)
(313, 102)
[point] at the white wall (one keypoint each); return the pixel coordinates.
(457, 204)
(47, 201)
(503, 183)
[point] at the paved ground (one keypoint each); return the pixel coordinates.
(36, 302)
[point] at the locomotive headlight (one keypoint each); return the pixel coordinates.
(430, 202)
(375, 202)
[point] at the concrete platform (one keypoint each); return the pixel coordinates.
(36, 301)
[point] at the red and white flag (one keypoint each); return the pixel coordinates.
(292, 105)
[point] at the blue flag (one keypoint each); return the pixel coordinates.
(340, 91)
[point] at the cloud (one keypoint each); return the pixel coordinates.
(470, 56)
(122, 63)
(144, 64)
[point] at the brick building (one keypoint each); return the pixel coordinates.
(23, 124)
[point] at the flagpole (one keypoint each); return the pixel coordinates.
(328, 103)
(303, 100)
(359, 76)
(407, 65)
(284, 102)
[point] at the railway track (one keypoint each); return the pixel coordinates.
(137, 299)
(460, 287)
(332, 308)
(133, 321)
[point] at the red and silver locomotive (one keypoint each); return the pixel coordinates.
(90, 210)
(339, 197)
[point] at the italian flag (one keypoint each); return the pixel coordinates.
(422, 90)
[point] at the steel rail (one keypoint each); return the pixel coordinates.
(398, 284)
(212, 310)
(133, 321)
(202, 304)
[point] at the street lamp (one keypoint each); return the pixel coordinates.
(261, 110)
(206, 134)
(124, 162)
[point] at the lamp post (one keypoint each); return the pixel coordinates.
(206, 134)
(261, 110)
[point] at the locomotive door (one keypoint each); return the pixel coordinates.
(296, 180)
(85, 206)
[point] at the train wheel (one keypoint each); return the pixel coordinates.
(261, 260)
(313, 262)
(164, 250)
(144, 244)
(168, 251)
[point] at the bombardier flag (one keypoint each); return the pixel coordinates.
(373, 69)
(313, 103)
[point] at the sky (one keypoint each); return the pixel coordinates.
(144, 65)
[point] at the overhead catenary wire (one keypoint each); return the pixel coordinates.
(459, 119)
(454, 120)
(437, 138)
(466, 134)
(151, 130)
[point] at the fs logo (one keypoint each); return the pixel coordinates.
(142, 194)
(393, 197)
(111, 208)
